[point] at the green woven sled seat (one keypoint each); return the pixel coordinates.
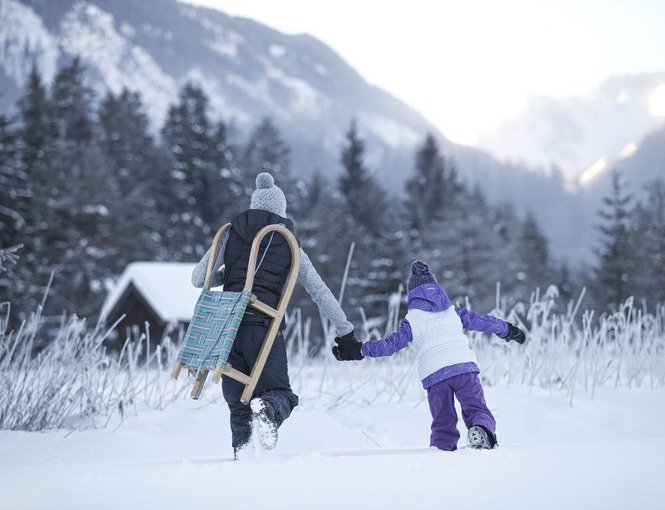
(213, 329)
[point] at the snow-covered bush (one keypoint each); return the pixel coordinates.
(9, 257)
(623, 348)
(74, 382)
(570, 352)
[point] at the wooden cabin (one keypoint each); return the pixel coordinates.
(159, 294)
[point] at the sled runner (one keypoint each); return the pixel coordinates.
(218, 314)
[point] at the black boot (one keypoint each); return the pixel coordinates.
(241, 448)
(237, 449)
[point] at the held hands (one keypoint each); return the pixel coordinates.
(515, 333)
(348, 348)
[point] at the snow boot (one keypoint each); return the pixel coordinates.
(481, 438)
(239, 451)
(263, 422)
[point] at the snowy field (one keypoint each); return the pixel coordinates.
(579, 410)
(360, 451)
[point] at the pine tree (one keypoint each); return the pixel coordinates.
(14, 194)
(86, 248)
(506, 223)
(432, 206)
(200, 194)
(434, 190)
(566, 283)
(266, 151)
(232, 193)
(13, 186)
(476, 260)
(142, 175)
(37, 135)
(377, 266)
(75, 236)
(316, 189)
(31, 186)
(533, 259)
(36, 128)
(365, 200)
(647, 240)
(70, 231)
(325, 234)
(426, 189)
(124, 138)
(60, 235)
(614, 265)
(465, 241)
(70, 109)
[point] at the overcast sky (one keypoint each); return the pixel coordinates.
(467, 65)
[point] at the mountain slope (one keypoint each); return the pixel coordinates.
(247, 69)
(648, 161)
(576, 132)
(640, 168)
(250, 71)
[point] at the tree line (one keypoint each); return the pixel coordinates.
(631, 250)
(86, 189)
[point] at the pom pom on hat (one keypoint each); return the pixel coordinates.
(420, 267)
(264, 180)
(268, 196)
(420, 275)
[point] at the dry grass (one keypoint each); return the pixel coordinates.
(74, 382)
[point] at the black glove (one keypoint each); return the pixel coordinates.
(348, 348)
(514, 333)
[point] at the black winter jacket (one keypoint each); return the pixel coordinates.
(271, 276)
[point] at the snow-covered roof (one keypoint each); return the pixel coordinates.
(166, 286)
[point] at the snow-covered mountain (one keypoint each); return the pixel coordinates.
(250, 71)
(583, 135)
(644, 163)
(247, 69)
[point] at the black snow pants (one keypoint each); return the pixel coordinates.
(273, 385)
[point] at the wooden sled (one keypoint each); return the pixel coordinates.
(276, 315)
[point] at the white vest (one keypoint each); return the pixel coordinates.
(439, 340)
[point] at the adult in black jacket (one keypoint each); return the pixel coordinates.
(273, 399)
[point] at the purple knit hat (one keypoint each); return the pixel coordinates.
(420, 275)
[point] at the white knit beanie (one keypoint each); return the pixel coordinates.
(267, 196)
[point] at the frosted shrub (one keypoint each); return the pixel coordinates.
(624, 348)
(74, 382)
(571, 351)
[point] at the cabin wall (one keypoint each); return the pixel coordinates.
(137, 313)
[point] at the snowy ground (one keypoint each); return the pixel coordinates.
(603, 453)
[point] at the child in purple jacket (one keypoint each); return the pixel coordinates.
(446, 364)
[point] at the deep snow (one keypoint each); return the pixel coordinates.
(602, 453)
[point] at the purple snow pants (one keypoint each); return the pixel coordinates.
(469, 392)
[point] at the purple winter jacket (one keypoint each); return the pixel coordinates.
(433, 298)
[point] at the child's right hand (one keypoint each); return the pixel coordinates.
(348, 348)
(515, 333)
